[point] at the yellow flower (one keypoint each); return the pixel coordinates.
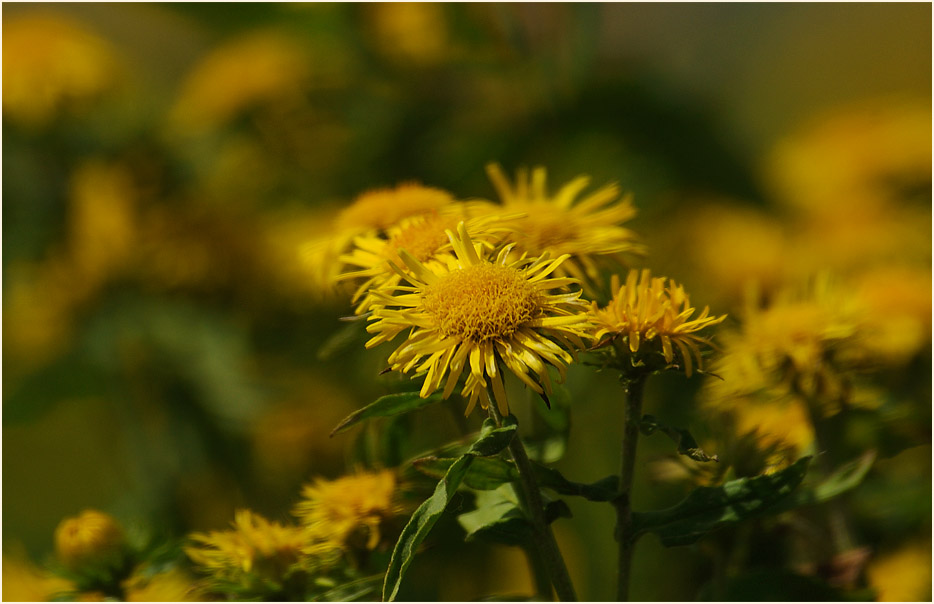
(51, 63)
(644, 310)
(586, 230)
(903, 575)
(256, 547)
(423, 236)
(482, 314)
(335, 511)
(410, 32)
(91, 538)
(24, 582)
(381, 208)
(263, 67)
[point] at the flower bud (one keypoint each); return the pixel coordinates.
(89, 538)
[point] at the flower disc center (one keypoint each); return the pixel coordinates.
(422, 238)
(482, 302)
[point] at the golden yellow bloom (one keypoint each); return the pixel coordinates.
(482, 314)
(644, 309)
(92, 537)
(256, 547)
(263, 67)
(903, 575)
(24, 582)
(381, 208)
(586, 230)
(335, 511)
(423, 236)
(51, 63)
(410, 32)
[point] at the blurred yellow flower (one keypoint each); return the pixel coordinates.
(349, 508)
(852, 156)
(256, 549)
(262, 67)
(903, 575)
(92, 538)
(381, 208)
(102, 232)
(51, 63)
(480, 313)
(25, 582)
(644, 311)
(897, 301)
(410, 32)
(587, 230)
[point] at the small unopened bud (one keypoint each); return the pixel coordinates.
(92, 537)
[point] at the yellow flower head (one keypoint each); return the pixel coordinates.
(170, 586)
(256, 547)
(646, 312)
(92, 537)
(903, 575)
(482, 314)
(263, 67)
(586, 230)
(410, 32)
(50, 63)
(381, 208)
(424, 237)
(335, 511)
(25, 582)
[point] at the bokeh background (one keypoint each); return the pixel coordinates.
(169, 354)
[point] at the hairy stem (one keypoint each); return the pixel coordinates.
(632, 415)
(543, 540)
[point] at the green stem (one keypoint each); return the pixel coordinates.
(540, 575)
(543, 540)
(632, 415)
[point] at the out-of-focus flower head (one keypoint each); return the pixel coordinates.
(478, 313)
(854, 156)
(262, 67)
(410, 33)
(258, 555)
(351, 511)
(92, 540)
(169, 586)
(588, 230)
(653, 318)
(52, 64)
(25, 582)
(903, 575)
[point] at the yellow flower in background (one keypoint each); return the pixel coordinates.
(262, 67)
(92, 538)
(853, 156)
(410, 32)
(379, 209)
(51, 63)
(481, 313)
(25, 582)
(903, 575)
(256, 548)
(587, 230)
(102, 233)
(355, 506)
(645, 311)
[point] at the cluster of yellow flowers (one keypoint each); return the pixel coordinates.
(482, 286)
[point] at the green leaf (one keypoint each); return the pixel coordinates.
(708, 508)
(485, 474)
(492, 440)
(687, 446)
(604, 489)
(846, 477)
(497, 519)
(420, 524)
(385, 406)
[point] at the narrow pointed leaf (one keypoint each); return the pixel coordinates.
(708, 508)
(846, 477)
(486, 473)
(385, 406)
